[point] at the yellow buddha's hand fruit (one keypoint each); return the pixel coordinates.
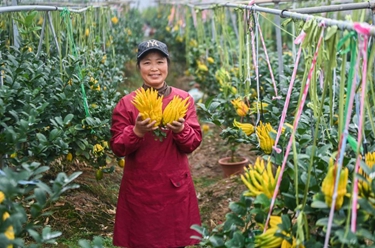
(149, 104)
(247, 128)
(121, 162)
(241, 108)
(328, 185)
(175, 110)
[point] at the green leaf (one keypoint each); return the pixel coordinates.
(54, 134)
(216, 241)
(237, 208)
(263, 200)
(68, 119)
(365, 234)
(285, 222)
(45, 187)
(58, 121)
(35, 235)
(346, 237)
(42, 139)
(199, 229)
(233, 219)
(319, 204)
(48, 235)
(214, 106)
(238, 241)
(40, 196)
(84, 243)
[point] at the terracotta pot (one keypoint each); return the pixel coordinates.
(232, 168)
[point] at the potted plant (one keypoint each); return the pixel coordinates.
(220, 112)
(234, 163)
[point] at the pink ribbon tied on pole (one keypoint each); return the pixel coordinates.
(297, 41)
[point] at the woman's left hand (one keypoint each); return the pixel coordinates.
(176, 126)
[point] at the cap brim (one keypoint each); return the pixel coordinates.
(156, 49)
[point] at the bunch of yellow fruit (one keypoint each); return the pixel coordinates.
(328, 185)
(247, 128)
(260, 179)
(270, 240)
(175, 110)
(150, 105)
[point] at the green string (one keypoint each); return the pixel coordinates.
(352, 48)
(65, 13)
(353, 55)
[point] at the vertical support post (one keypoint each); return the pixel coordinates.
(279, 46)
(53, 31)
(42, 35)
(16, 34)
(234, 22)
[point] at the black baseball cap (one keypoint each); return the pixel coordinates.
(152, 45)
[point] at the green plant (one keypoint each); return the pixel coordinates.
(25, 198)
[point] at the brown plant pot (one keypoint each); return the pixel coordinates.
(232, 168)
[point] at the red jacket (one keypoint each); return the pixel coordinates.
(157, 202)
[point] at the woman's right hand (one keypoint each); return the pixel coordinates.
(141, 127)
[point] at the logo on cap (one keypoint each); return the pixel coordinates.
(152, 43)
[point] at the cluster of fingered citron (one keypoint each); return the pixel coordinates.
(260, 179)
(175, 110)
(329, 181)
(149, 105)
(270, 240)
(247, 128)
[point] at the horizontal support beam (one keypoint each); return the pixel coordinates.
(286, 13)
(334, 8)
(19, 8)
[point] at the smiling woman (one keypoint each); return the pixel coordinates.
(157, 203)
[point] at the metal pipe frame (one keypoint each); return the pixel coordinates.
(333, 8)
(286, 13)
(41, 8)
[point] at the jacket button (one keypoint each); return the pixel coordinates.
(178, 184)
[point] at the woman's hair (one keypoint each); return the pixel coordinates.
(145, 54)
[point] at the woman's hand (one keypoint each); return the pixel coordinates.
(141, 127)
(176, 126)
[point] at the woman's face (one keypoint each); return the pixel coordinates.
(154, 69)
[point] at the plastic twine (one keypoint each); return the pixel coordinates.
(66, 16)
(364, 31)
(253, 39)
(267, 60)
(298, 40)
(295, 124)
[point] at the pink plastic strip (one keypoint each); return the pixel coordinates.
(295, 124)
(298, 40)
(363, 46)
(171, 16)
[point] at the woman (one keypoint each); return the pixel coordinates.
(157, 202)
